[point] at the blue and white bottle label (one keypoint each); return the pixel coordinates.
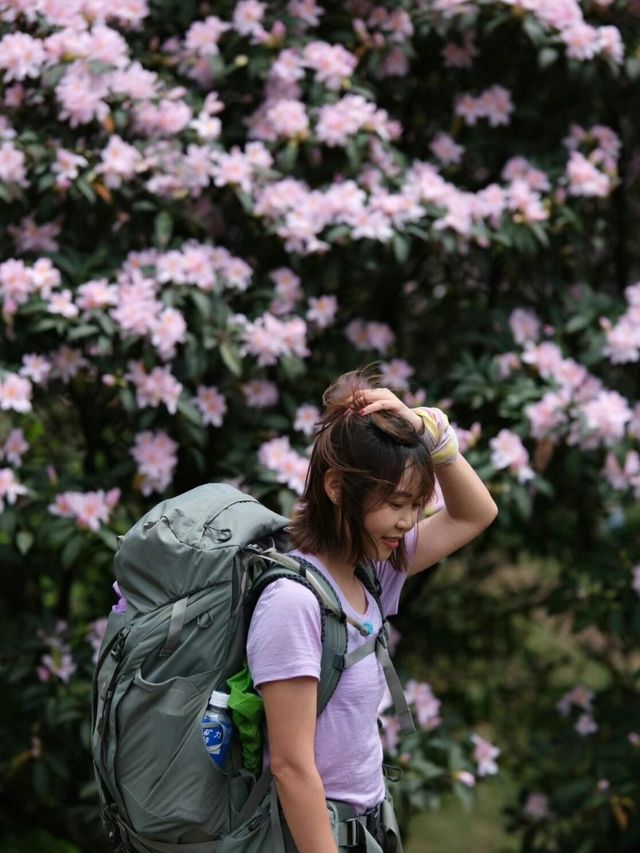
(213, 737)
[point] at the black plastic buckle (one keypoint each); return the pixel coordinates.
(354, 832)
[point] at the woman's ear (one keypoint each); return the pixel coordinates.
(333, 485)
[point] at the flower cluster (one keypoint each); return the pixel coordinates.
(89, 509)
(58, 662)
(290, 467)
(582, 698)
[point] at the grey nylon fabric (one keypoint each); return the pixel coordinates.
(186, 542)
(183, 559)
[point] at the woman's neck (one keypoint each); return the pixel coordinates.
(342, 570)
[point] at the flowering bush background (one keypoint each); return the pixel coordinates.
(211, 210)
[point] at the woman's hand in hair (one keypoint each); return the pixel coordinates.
(384, 400)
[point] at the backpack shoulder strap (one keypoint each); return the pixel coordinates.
(367, 575)
(333, 617)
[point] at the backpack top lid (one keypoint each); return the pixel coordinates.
(188, 542)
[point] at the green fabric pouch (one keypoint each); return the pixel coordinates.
(247, 713)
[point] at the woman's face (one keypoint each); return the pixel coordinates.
(389, 520)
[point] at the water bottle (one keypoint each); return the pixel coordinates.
(217, 727)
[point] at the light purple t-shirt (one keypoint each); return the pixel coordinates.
(284, 642)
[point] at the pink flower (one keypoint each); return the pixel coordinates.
(582, 40)
(202, 37)
(21, 56)
(547, 414)
(158, 386)
(36, 368)
(62, 303)
(427, 707)
(610, 43)
(44, 277)
(507, 451)
(10, 488)
(585, 179)
(89, 509)
(586, 725)
(546, 357)
(247, 18)
(374, 335)
(526, 203)
(507, 362)
(97, 294)
(137, 308)
(623, 341)
(287, 289)
(306, 420)
(30, 237)
(15, 447)
(525, 325)
(460, 56)
(155, 454)
(16, 283)
(520, 167)
(465, 778)
(15, 393)
(97, 630)
(484, 754)
(288, 118)
(12, 165)
(289, 466)
(260, 393)
(269, 338)
(496, 106)
(322, 311)
(66, 167)
(169, 330)
(66, 362)
(606, 416)
(390, 733)
(232, 168)
(467, 438)
(396, 374)
(446, 150)
(307, 11)
(206, 126)
(135, 82)
(81, 94)
(332, 64)
(211, 404)
(468, 109)
(59, 663)
(580, 696)
(536, 807)
(119, 162)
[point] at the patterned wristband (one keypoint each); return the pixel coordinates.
(439, 436)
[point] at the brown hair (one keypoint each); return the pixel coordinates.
(371, 453)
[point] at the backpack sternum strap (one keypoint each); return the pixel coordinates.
(377, 644)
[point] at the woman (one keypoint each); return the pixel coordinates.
(372, 470)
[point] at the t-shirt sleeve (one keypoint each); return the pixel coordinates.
(285, 635)
(391, 580)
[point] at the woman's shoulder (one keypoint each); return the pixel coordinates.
(288, 593)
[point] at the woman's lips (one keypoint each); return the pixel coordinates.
(391, 543)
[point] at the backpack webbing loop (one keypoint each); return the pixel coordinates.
(176, 624)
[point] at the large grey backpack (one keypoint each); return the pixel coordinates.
(191, 570)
